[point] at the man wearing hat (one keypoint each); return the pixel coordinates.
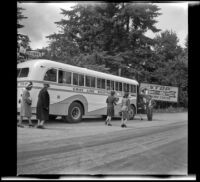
(43, 106)
(26, 102)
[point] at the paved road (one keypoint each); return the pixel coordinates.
(90, 147)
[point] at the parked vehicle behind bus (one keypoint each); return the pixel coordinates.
(74, 91)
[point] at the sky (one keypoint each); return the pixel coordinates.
(41, 17)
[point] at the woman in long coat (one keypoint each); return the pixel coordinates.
(43, 106)
(26, 105)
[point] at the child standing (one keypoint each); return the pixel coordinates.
(125, 107)
(111, 101)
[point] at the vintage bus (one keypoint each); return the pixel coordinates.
(74, 91)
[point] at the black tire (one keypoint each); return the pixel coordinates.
(75, 113)
(132, 112)
(52, 117)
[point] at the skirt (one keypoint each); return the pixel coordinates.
(110, 111)
(125, 115)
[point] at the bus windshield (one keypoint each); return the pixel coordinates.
(22, 72)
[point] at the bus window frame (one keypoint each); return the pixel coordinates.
(56, 75)
(107, 84)
(101, 83)
(77, 79)
(80, 74)
(62, 82)
(21, 71)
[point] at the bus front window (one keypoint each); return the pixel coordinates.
(22, 72)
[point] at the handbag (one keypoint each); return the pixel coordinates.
(29, 101)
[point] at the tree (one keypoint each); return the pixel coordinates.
(22, 40)
(167, 45)
(20, 17)
(171, 64)
(115, 31)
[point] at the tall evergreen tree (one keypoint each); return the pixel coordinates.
(22, 40)
(115, 31)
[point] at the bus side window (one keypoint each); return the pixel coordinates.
(64, 77)
(22, 72)
(81, 80)
(127, 87)
(99, 83)
(67, 77)
(75, 79)
(133, 89)
(108, 84)
(87, 81)
(103, 84)
(93, 82)
(117, 86)
(120, 86)
(112, 85)
(60, 76)
(124, 87)
(51, 75)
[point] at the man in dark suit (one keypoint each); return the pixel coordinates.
(43, 106)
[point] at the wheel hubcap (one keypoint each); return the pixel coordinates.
(76, 112)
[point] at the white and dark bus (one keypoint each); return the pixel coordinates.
(74, 91)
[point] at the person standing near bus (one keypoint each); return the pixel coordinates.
(150, 105)
(111, 102)
(43, 106)
(125, 107)
(26, 102)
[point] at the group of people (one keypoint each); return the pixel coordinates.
(147, 104)
(42, 110)
(125, 108)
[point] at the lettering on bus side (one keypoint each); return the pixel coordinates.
(90, 91)
(77, 89)
(102, 92)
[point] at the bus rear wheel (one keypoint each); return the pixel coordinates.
(75, 113)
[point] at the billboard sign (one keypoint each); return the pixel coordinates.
(160, 92)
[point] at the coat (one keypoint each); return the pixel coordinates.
(26, 104)
(42, 110)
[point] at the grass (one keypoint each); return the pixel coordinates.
(171, 110)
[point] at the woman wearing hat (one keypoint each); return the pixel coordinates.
(43, 106)
(26, 105)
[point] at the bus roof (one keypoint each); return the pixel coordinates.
(67, 67)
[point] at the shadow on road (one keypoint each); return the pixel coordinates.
(90, 120)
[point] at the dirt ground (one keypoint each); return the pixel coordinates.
(91, 147)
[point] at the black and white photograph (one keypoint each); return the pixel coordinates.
(102, 88)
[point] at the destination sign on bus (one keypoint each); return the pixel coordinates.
(160, 92)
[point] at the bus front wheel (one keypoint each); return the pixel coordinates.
(75, 113)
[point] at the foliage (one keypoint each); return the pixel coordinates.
(22, 40)
(111, 36)
(113, 31)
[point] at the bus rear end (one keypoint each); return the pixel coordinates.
(22, 80)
